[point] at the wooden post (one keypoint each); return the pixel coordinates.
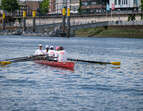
(24, 21)
(68, 22)
(34, 18)
(3, 21)
(63, 21)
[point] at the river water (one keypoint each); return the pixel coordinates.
(27, 86)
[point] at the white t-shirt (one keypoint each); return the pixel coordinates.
(62, 56)
(39, 52)
(56, 55)
(51, 52)
(46, 52)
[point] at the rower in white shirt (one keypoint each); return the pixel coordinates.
(51, 53)
(56, 53)
(46, 50)
(62, 55)
(39, 51)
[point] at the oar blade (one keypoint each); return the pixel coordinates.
(5, 62)
(115, 63)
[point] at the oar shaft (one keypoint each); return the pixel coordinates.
(97, 62)
(16, 58)
(88, 61)
(22, 59)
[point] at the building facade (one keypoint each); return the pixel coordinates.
(96, 6)
(32, 6)
(126, 5)
(29, 6)
(60, 4)
(52, 6)
(74, 5)
(56, 6)
(22, 8)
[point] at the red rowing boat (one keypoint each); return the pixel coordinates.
(69, 65)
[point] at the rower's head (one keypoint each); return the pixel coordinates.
(61, 48)
(57, 48)
(47, 47)
(40, 46)
(51, 48)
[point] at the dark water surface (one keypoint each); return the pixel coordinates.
(27, 86)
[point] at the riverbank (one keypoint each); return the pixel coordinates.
(130, 31)
(114, 31)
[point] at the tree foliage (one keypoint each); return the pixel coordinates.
(79, 9)
(141, 4)
(10, 5)
(131, 17)
(44, 7)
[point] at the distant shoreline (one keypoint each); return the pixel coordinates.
(106, 32)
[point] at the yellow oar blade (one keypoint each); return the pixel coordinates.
(5, 62)
(115, 63)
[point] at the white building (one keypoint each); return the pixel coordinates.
(74, 6)
(60, 4)
(125, 5)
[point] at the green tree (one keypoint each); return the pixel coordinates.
(10, 5)
(141, 5)
(141, 9)
(79, 9)
(44, 7)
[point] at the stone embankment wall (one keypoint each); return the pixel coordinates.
(112, 31)
(78, 19)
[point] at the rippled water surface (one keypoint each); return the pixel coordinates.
(27, 86)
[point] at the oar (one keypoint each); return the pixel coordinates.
(22, 59)
(17, 58)
(5, 62)
(97, 62)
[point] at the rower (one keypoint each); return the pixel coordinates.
(39, 51)
(62, 55)
(51, 53)
(46, 50)
(56, 53)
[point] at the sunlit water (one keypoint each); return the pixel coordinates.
(27, 86)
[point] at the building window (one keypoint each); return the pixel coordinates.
(135, 1)
(115, 2)
(93, 3)
(119, 2)
(84, 3)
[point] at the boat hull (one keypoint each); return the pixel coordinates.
(69, 65)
